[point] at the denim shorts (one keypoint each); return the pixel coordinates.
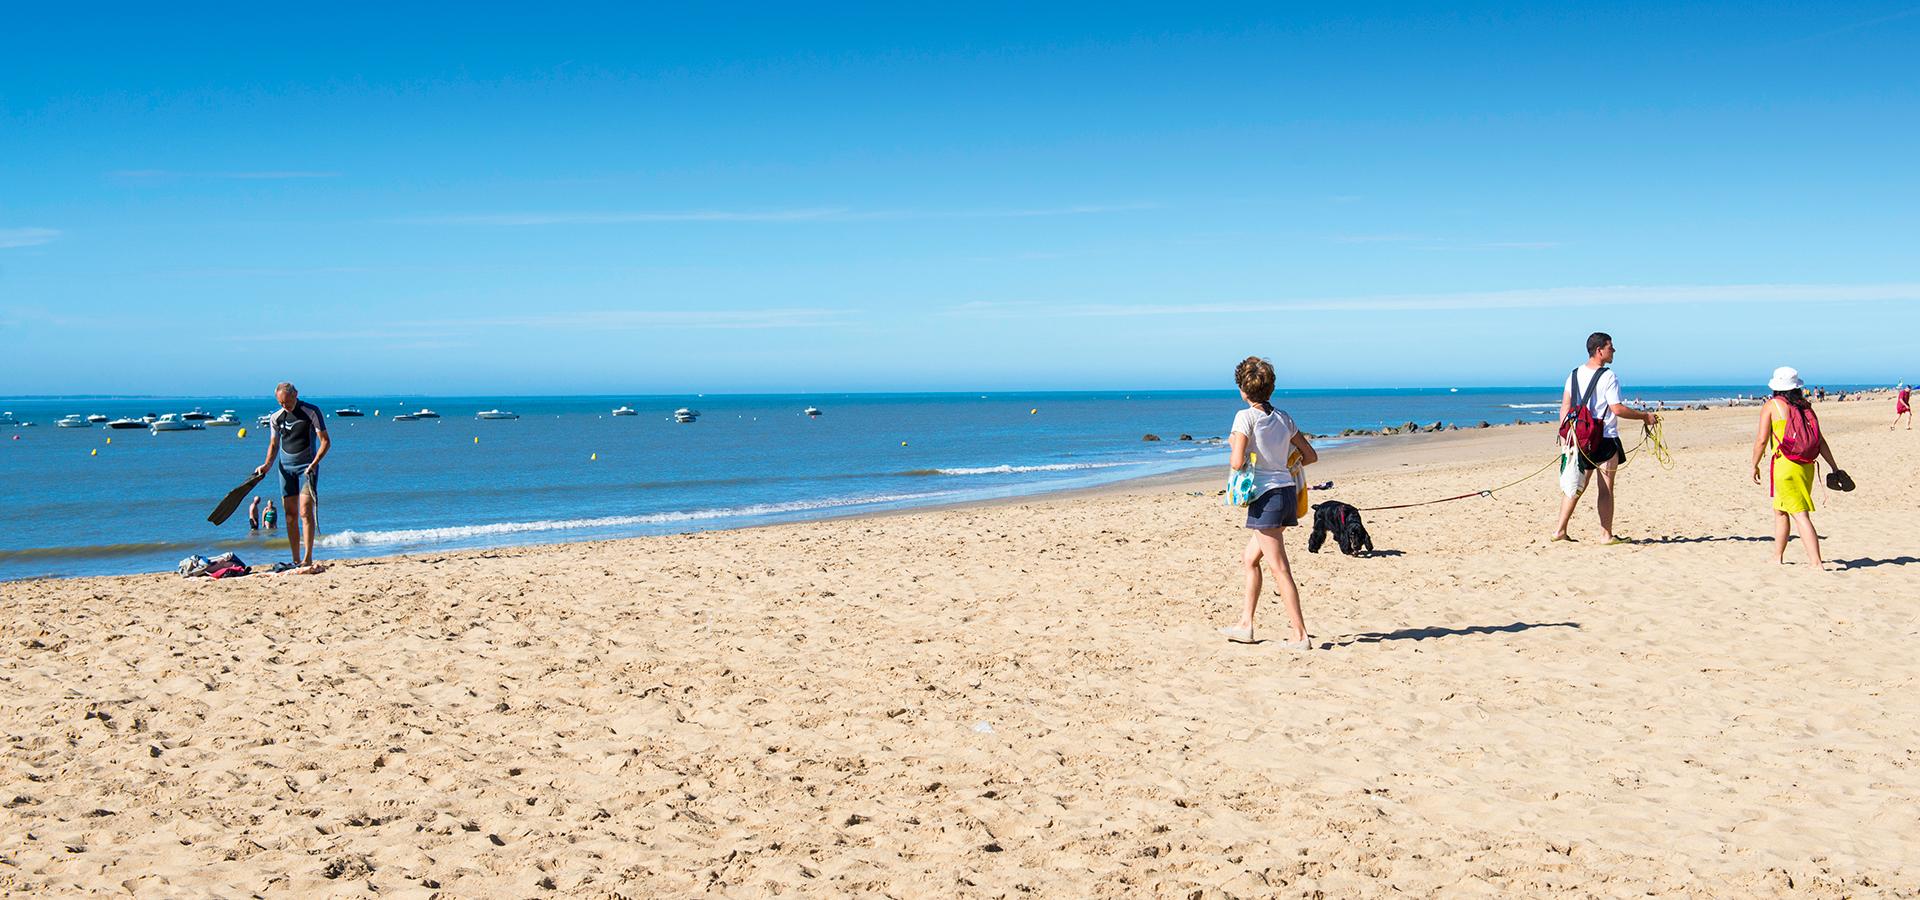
(1276, 508)
(291, 475)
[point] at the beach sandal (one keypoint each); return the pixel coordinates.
(1617, 540)
(1563, 537)
(1839, 480)
(1238, 635)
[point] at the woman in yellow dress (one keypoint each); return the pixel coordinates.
(1792, 487)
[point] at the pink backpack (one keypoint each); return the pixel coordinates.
(1800, 441)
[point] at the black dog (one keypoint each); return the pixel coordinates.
(1343, 522)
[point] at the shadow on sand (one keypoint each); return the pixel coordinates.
(1865, 563)
(1704, 539)
(1421, 634)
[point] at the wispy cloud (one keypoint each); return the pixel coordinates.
(807, 214)
(439, 332)
(27, 237)
(631, 218)
(670, 318)
(1429, 242)
(1379, 238)
(264, 175)
(1856, 26)
(1516, 299)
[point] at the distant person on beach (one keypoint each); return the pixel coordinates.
(1791, 482)
(270, 517)
(1607, 408)
(253, 514)
(297, 444)
(1271, 436)
(1902, 406)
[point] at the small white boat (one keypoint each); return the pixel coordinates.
(496, 414)
(406, 417)
(149, 418)
(97, 419)
(813, 411)
(73, 421)
(127, 423)
(264, 421)
(426, 413)
(171, 422)
(225, 419)
(349, 412)
(196, 415)
(684, 415)
(625, 411)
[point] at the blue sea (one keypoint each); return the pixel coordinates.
(92, 501)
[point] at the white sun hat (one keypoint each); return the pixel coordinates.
(1785, 378)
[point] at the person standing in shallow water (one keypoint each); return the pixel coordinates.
(1271, 437)
(298, 443)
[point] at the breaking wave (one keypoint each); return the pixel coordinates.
(463, 532)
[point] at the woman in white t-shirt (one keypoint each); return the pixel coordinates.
(1270, 435)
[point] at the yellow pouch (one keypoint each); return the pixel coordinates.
(1299, 472)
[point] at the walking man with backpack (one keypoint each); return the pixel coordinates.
(1590, 414)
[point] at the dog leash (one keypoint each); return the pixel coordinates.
(1654, 435)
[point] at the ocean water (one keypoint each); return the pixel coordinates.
(88, 501)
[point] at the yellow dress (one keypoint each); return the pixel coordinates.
(1792, 481)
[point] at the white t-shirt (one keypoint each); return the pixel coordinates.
(1604, 397)
(1270, 435)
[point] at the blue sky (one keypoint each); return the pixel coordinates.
(606, 199)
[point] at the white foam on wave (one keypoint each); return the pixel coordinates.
(1531, 405)
(462, 532)
(1014, 470)
(1189, 450)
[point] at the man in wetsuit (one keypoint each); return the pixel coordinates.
(298, 442)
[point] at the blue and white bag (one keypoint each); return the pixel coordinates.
(1240, 483)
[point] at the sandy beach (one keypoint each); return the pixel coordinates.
(1018, 698)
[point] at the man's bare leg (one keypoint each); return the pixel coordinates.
(309, 521)
(291, 506)
(1604, 478)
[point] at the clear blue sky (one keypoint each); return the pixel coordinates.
(587, 199)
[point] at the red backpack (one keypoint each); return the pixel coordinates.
(1581, 428)
(1800, 441)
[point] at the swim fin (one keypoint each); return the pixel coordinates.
(231, 502)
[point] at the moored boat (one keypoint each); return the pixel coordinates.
(74, 421)
(496, 414)
(127, 423)
(196, 414)
(349, 412)
(625, 411)
(225, 419)
(171, 422)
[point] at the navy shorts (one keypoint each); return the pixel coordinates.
(1275, 508)
(1609, 451)
(291, 475)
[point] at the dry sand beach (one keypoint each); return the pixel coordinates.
(1017, 698)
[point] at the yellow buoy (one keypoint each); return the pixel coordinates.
(241, 433)
(109, 440)
(1034, 412)
(94, 452)
(903, 443)
(476, 439)
(593, 458)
